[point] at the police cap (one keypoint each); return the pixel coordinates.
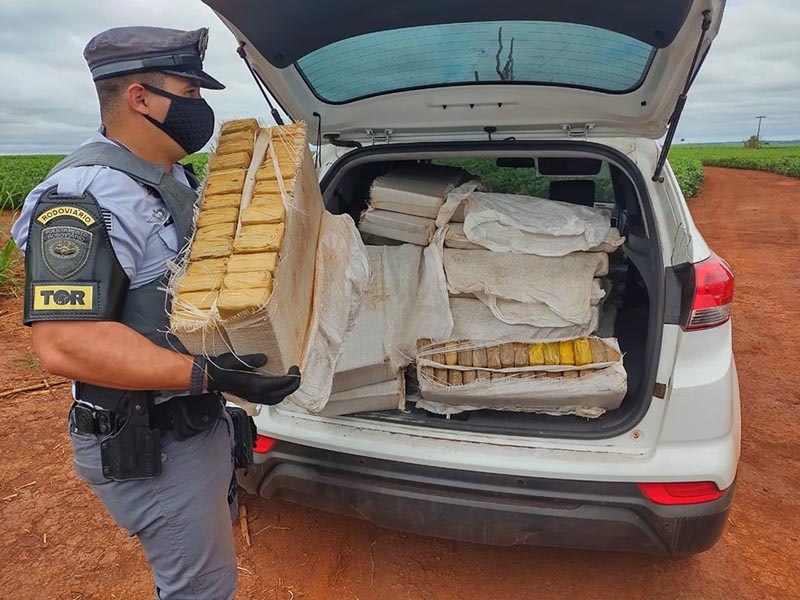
(126, 50)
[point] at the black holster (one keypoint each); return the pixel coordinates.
(133, 449)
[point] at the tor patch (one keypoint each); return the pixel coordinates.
(65, 249)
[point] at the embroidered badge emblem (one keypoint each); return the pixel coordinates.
(65, 249)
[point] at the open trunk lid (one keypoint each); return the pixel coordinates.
(458, 68)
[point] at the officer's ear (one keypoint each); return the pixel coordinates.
(138, 99)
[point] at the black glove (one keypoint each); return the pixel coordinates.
(236, 375)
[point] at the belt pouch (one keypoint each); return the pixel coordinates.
(244, 436)
(193, 414)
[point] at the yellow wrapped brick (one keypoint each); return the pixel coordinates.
(225, 182)
(251, 279)
(288, 170)
(493, 359)
(612, 355)
(286, 138)
(286, 150)
(200, 282)
(264, 212)
(203, 267)
(270, 187)
(195, 301)
(235, 147)
(271, 202)
(520, 355)
(451, 357)
(479, 357)
(291, 131)
(423, 343)
(214, 216)
(221, 201)
(465, 358)
(235, 138)
(437, 357)
(551, 356)
(598, 350)
(231, 302)
(566, 353)
(583, 352)
(211, 248)
(238, 125)
(259, 238)
(234, 160)
(242, 263)
(507, 355)
(536, 355)
(217, 230)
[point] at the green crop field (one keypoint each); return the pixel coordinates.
(687, 161)
(19, 174)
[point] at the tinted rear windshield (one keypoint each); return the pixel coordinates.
(519, 52)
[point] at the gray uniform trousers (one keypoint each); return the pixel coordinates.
(182, 517)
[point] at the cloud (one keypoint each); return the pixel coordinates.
(48, 103)
(753, 69)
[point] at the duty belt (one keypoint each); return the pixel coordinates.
(131, 426)
(104, 410)
(87, 419)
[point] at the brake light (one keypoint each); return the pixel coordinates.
(263, 444)
(681, 493)
(708, 299)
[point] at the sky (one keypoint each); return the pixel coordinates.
(48, 104)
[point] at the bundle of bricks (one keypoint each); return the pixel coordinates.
(405, 203)
(253, 252)
(569, 359)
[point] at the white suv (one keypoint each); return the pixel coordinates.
(584, 82)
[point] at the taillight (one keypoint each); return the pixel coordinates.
(263, 444)
(708, 294)
(681, 493)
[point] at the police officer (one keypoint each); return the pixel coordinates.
(149, 431)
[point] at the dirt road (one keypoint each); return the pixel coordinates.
(56, 541)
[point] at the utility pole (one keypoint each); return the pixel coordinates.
(758, 135)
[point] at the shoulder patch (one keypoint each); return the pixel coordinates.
(66, 211)
(65, 249)
(64, 297)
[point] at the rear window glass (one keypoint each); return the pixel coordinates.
(521, 52)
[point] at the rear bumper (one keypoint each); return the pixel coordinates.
(486, 508)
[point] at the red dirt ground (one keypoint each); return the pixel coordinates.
(56, 542)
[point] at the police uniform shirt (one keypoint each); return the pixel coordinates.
(142, 233)
(139, 225)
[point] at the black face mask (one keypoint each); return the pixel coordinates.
(189, 121)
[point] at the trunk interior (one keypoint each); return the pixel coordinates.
(632, 310)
